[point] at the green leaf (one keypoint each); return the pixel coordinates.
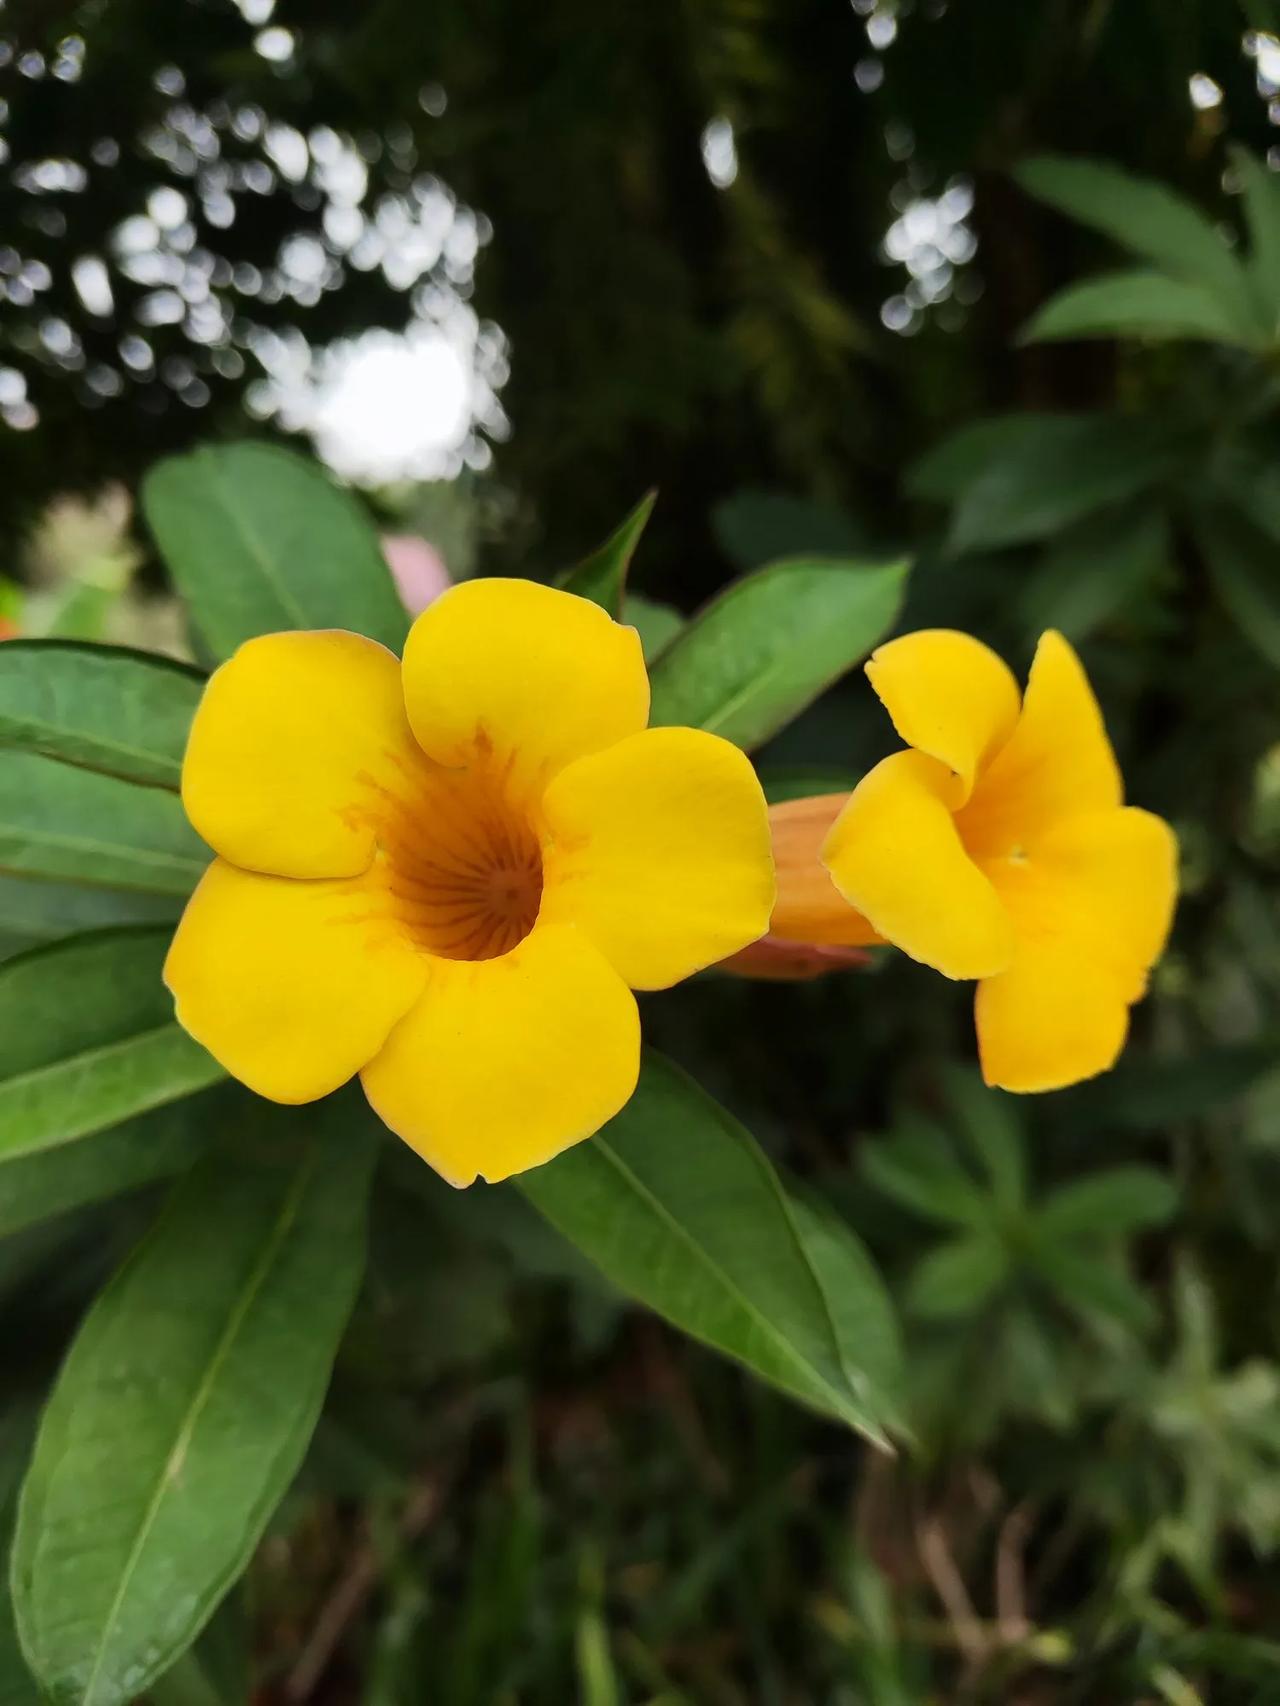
(1149, 220)
(866, 1327)
(918, 1168)
(957, 1278)
(1262, 211)
(676, 1204)
(1243, 476)
(1109, 1204)
(994, 1130)
(1034, 1366)
(598, 1682)
(754, 528)
(1242, 564)
(60, 822)
(656, 623)
(944, 473)
(216, 1671)
(185, 1405)
(44, 911)
(80, 610)
(1090, 573)
(260, 539)
(1095, 1287)
(770, 644)
(88, 1038)
(124, 712)
(1060, 469)
(17, 1430)
(1132, 304)
(602, 577)
(156, 1145)
(1153, 1093)
(1220, 1652)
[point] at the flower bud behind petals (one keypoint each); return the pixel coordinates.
(813, 930)
(418, 569)
(773, 959)
(810, 908)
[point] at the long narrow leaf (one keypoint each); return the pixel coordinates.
(675, 1203)
(64, 823)
(1262, 210)
(185, 1406)
(1149, 220)
(156, 1145)
(45, 910)
(1060, 469)
(1242, 564)
(100, 706)
(763, 650)
(260, 539)
(1108, 1205)
(602, 577)
(1133, 304)
(88, 1038)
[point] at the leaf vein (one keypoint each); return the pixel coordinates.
(182, 1441)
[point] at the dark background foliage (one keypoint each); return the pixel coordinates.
(523, 1492)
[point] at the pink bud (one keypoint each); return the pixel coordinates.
(417, 568)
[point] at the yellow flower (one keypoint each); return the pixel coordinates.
(998, 848)
(449, 876)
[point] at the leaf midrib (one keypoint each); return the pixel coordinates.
(79, 843)
(663, 1214)
(186, 1431)
(56, 880)
(257, 550)
(714, 722)
(22, 1082)
(24, 734)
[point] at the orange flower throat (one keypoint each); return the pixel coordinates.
(462, 865)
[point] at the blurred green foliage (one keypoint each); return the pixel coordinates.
(523, 1492)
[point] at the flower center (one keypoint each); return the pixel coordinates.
(463, 868)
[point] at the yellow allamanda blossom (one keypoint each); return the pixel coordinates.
(449, 876)
(997, 847)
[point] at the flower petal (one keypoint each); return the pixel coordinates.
(809, 907)
(896, 855)
(293, 737)
(1047, 1022)
(658, 848)
(505, 1062)
(1091, 908)
(1057, 764)
(948, 695)
(534, 676)
(292, 986)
